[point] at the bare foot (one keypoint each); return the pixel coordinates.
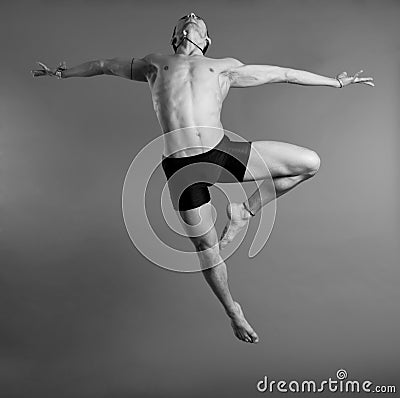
(238, 218)
(243, 331)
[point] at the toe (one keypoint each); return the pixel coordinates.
(254, 338)
(243, 336)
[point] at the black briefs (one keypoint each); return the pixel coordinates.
(189, 177)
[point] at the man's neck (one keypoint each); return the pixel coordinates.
(188, 48)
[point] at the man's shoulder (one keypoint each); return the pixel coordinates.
(155, 57)
(227, 62)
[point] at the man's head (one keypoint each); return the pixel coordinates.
(192, 28)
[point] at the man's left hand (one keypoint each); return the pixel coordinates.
(346, 80)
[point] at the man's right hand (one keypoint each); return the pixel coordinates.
(46, 71)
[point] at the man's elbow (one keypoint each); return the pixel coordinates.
(102, 67)
(281, 75)
(291, 76)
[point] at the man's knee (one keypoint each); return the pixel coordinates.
(204, 243)
(207, 249)
(312, 163)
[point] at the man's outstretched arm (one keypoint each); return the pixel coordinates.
(241, 75)
(129, 68)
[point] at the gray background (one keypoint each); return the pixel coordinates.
(83, 314)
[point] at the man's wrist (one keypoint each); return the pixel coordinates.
(60, 73)
(339, 83)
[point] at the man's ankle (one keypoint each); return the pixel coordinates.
(233, 311)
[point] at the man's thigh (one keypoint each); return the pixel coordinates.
(276, 159)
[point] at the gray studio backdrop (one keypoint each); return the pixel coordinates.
(84, 314)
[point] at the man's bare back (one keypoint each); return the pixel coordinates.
(188, 91)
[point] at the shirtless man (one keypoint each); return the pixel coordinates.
(188, 90)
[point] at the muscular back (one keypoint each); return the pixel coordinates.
(188, 91)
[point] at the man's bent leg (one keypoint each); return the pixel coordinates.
(288, 165)
(199, 225)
